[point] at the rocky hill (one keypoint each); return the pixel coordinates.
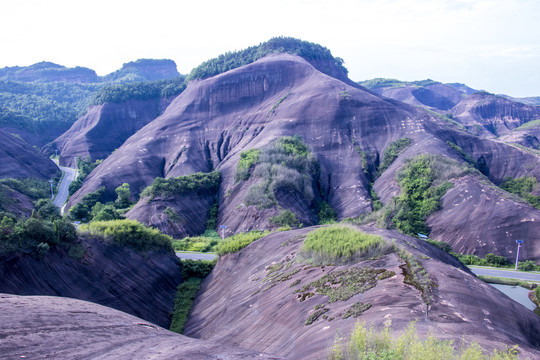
(267, 298)
(77, 329)
(141, 284)
(104, 128)
(144, 70)
(250, 110)
(20, 160)
(428, 93)
(489, 115)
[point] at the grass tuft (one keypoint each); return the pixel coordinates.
(341, 245)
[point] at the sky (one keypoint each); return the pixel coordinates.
(493, 45)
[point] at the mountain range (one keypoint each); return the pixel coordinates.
(277, 138)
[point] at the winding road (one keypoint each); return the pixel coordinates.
(63, 187)
(195, 256)
(510, 274)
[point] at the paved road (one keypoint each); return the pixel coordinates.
(510, 274)
(63, 193)
(195, 256)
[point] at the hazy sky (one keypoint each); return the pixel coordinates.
(488, 44)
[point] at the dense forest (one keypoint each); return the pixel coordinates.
(232, 60)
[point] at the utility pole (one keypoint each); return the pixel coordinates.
(52, 192)
(519, 242)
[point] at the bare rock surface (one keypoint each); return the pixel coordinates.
(104, 128)
(19, 159)
(140, 284)
(43, 327)
(346, 128)
(477, 218)
(260, 299)
(490, 115)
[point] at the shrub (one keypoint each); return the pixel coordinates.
(444, 246)
(523, 187)
(368, 343)
(246, 163)
(496, 260)
(286, 163)
(239, 241)
(82, 210)
(391, 153)
(528, 265)
(327, 215)
(33, 188)
(185, 294)
(285, 218)
(423, 182)
(197, 268)
(129, 233)
(139, 91)
(341, 245)
(194, 183)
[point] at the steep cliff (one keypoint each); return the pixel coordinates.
(20, 160)
(105, 127)
(141, 284)
(490, 115)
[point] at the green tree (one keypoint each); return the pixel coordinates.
(122, 201)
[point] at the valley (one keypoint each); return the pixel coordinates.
(312, 189)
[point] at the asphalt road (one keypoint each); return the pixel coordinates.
(195, 256)
(510, 274)
(62, 194)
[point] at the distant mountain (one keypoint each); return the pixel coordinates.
(144, 70)
(53, 96)
(49, 72)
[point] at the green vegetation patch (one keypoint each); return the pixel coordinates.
(391, 153)
(85, 167)
(35, 235)
(139, 91)
(384, 82)
(523, 187)
(344, 284)
(423, 181)
(326, 214)
(368, 343)
(185, 295)
(461, 153)
(529, 125)
(285, 218)
(247, 161)
(33, 188)
(356, 310)
(129, 233)
(233, 60)
(341, 245)
(237, 242)
(194, 183)
(286, 163)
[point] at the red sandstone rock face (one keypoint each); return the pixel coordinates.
(489, 115)
(104, 128)
(207, 127)
(38, 327)
(140, 284)
(20, 160)
(477, 218)
(436, 97)
(246, 302)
